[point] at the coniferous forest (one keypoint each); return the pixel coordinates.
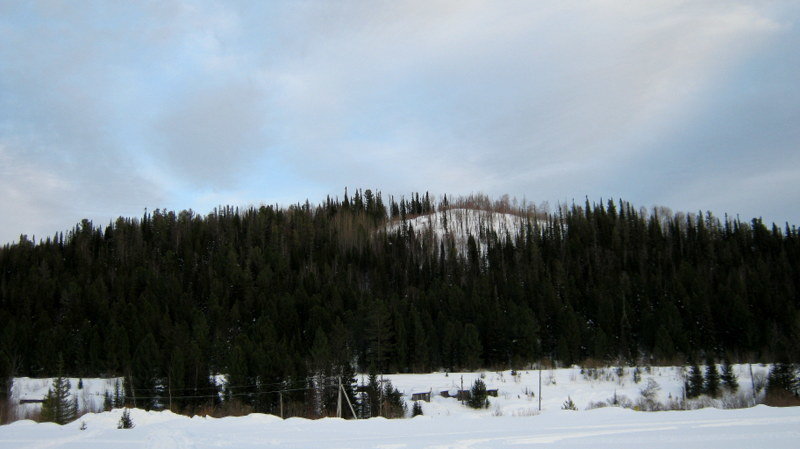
(275, 296)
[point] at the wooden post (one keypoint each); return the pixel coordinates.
(280, 395)
(753, 383)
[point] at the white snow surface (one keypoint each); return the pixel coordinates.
(759, 426)
(512, 420)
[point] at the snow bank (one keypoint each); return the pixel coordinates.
(600, 429)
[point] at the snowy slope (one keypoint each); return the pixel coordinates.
(459, 224)
(90, 397)
(598, 429)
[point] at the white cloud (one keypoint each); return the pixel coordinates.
(159, 103)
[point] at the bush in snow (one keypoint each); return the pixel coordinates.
(416, 410)
(569, 404)
(125, 421)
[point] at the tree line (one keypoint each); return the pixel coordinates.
(278, 296)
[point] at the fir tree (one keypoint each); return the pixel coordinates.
(416, 410)
(478, 397)
(711, 384)
(58, 406)
(694, 385)
(783, 385)
(393, 404)
(125, 421)
(728, 377)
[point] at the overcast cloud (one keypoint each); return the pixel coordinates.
(108, 108)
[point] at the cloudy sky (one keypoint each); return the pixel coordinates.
(111, 107)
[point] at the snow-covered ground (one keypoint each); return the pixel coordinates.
(759, 426)
(512, 420)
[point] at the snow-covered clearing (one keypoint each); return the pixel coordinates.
(518, 395)
(512, 420)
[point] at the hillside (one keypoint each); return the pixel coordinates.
(277, 296)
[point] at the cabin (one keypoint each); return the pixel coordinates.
(421, 396)
(463, 395)
(492, 392)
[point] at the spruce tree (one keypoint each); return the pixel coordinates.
(711, 385)
(694, 385)
(728, 377)
(393, 404)
(416, 410)
(479, 398)
(125, 421)
(783, 385)
(58, 406)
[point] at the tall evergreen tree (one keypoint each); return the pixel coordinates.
(59, 406)
(712, 379)
(694, 384)
(728, 377)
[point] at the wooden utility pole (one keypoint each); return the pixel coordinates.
(540, 386)
(339, 400)
(380, 395)
(133, 392)
(461, 393)
(169, 391)
(352, 410)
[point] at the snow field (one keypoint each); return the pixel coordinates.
(759, 426)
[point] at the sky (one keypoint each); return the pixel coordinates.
(108, 108)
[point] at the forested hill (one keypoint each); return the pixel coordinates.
(275, 293)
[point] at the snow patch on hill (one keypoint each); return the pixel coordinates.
(460, 224)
